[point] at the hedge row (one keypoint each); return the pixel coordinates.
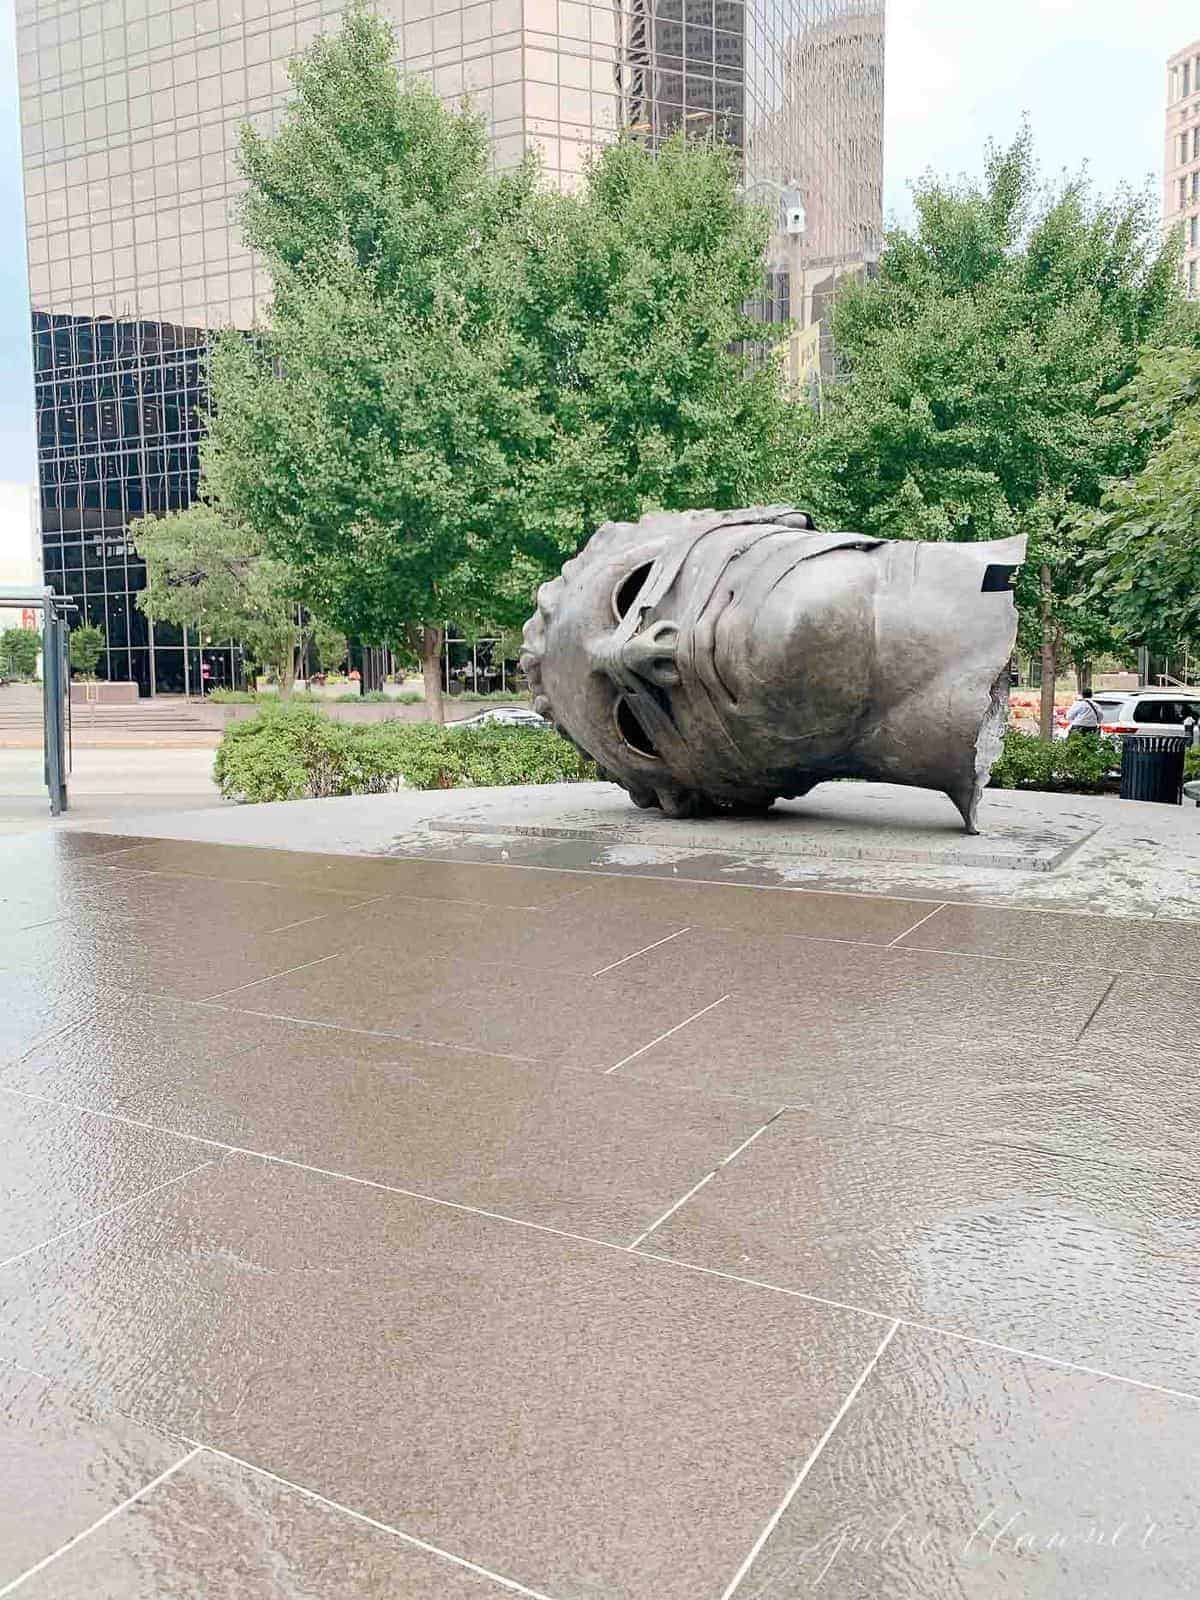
(1074, 766)
(295, 753)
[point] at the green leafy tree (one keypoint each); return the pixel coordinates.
(207, 572)
(663, 391)
(1142, 544)
(463, 373)
(977, 369)
(85, 647)
(19, 652)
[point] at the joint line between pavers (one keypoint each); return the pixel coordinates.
(299, 1166)
(11, 1588)
(613, 965)
(774, 1521)
(99, 1216)
(44, 1039)
(695, 1016)
(344, 1027)
(511, 1584)
(254, 982)
(1095, 1011)
(321, 916)
(1050, 1361)
(918, 924)
(696, 1187)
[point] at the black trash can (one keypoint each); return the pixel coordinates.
(1152, 768)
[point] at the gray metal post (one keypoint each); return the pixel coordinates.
(55, 688)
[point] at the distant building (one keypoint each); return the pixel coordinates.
(20, 550)
(129, 114)
(1181, 168)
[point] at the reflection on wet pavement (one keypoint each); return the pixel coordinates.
(392, 1227)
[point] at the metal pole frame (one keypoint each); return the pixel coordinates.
(56, 689)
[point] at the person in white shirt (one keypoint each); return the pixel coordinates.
(1083, 717)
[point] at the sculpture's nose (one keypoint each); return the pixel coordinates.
(651, 654)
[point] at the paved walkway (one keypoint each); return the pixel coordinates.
(403, 1228)
(105, 786)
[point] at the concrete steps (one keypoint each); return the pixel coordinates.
(143, 722)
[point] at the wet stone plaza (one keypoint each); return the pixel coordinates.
(412, 1229)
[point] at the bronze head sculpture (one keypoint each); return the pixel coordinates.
(713, 661)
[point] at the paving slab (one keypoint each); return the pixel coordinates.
(1078, 1260)
(559, 1413)
(59, 1170)
(579, 1151)
(1110, 945)
(217, 1528)
(63, 1466)
(959, 1471)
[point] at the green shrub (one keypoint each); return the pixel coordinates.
(19, 652)
(233, 697)
(293, 752)
(84, 649)
(1191, 764)
(1072, 766)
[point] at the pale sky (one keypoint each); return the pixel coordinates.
(1090, 74)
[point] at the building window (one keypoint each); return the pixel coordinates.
(1183, 149)
(1182, 193)
(1191, 289)
(1186, 74)
(1194, 233)
(1174, 83)
(1196, 185)
(1196, 144)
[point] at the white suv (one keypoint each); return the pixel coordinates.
(1143, 711)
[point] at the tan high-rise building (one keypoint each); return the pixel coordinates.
(1181, 167)
(130, 110)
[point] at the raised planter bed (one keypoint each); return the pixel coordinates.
(220, 715)
(104, 694)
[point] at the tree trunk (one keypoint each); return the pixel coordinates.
(432, 640)
(1083, 677)
(287, 681)
(1049, 653)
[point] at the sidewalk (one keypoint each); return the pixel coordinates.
(105, 786)
(410, 1227)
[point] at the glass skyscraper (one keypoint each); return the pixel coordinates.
(129, 114)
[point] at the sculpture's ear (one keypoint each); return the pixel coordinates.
(998, 576)
(1003, 559)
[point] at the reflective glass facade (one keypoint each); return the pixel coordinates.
(129, 114)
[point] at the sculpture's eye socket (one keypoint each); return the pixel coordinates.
(631, 730)
(628, 590)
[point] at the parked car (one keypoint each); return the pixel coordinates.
(1122, 711)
